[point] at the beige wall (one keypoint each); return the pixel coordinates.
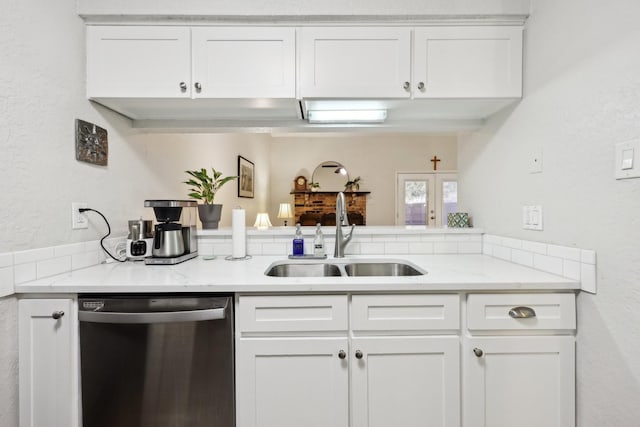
(374, 157)
(582, 96)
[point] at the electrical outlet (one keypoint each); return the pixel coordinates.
(78, 220)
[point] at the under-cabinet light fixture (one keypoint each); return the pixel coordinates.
(347, 116)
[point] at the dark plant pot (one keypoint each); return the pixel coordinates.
(210, 216)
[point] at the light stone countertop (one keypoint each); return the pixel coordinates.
(448, 273)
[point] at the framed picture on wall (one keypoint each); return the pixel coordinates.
(245, 177)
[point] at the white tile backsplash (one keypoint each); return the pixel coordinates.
(574, 263)
(536, 247)
(588, 257)
(563, 252)
(24, 272)
(33, 255)
(421, 248)
(6, 260)
(502, 252)
(84, 260)
(51, 267)
(565, 261)
(396, 248)
(548, 263)
(72, 249)
(571, 269)
(522, 257)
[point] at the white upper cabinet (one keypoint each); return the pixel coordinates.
(467, 62)
(244, 62)
(182, 62)
(138, 62)
(355, 62)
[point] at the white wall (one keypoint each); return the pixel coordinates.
(374, 157)
(42, 92)
(582, 95)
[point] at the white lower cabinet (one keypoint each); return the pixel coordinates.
(519, 362)
(48, 367)
(371, 374)
(405, 381)
(292, 382)
(523, 381)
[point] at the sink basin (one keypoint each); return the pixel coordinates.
(381, 269)
(303, 270)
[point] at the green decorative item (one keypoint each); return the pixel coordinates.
(458, 220)
(204, 187)
(353, 185)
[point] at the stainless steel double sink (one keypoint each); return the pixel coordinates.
(350, 268)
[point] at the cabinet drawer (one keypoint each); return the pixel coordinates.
(405, 312)
(521, 311)
(292, 313)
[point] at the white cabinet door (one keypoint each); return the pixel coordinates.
(467, 62)
(358, 62)
(48, 363)
(138, 62)
(405, 381)
(292, 382)
(248, 62)
(523, 381)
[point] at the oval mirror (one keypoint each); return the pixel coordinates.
(332, 176)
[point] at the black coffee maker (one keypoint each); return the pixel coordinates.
(173, 241)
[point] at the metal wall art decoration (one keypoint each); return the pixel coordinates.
(92, 145)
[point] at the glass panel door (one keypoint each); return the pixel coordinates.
(415, 199)
(425, 198)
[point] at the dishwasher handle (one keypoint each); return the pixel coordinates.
(153, 317)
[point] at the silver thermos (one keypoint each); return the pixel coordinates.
(168, 241)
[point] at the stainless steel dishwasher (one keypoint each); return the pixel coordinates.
(161, 361)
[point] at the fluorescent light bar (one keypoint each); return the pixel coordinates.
(347, 116)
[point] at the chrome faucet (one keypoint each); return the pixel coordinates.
(341, 220)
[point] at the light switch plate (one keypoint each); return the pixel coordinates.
(532, 217)
(627, 159)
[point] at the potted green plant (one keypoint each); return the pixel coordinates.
(204, 187)
(353, 185)
(314, 186)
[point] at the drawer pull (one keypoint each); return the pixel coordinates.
(522, 312)
(57, 314)
(478, 352)
(342, 354)
(359, 354)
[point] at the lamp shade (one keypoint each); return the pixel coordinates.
(262, 221)
(285, 211)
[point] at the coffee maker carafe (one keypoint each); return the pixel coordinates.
(173, 241)
(168, 241)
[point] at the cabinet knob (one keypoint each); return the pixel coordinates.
(421, 86)
(406, 85)
(342, 354)
(359, 354)
(478, 352)
(57, 314)
(522, 313)
(183, 86)
(198, 86)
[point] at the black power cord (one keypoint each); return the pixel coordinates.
(81, 210)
